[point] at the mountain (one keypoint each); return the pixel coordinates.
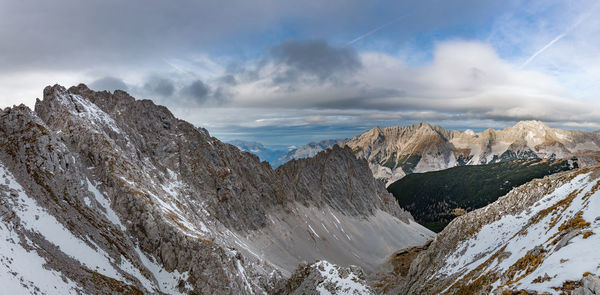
(105, 194)
(393, 152)
(307, 151)
(540, 238)
(435, 198)
(258, 149)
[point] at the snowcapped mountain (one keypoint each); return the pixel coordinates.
(393, 152)
(105, 194)
(541, 238)
(258, 149)
(307, 151)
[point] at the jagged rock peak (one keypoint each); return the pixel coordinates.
(393, 152)
(424, 125)
(319, 177)
(530, 124)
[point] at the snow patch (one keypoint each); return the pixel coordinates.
(167, 281)
(37, 219)
(105, 203)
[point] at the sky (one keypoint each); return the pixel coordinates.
(290, 72)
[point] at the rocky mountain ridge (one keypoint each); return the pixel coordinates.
(393, 152)
(104, 194)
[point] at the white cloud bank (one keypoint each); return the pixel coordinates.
(465, 79)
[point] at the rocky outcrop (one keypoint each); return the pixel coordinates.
(322, 277)
(108, 194)
(392, 273)
(590, 286)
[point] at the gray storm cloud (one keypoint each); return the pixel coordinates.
(160, 86)
(315, 58)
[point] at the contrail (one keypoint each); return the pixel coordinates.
(373, 31)
(544, 48)
(560, 36)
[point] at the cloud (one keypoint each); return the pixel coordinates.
(317, 119)
(465, 79)
(71, 35)
(109, 83)
(161, 86)
(197, 90)
(312, 59)
(228, 80)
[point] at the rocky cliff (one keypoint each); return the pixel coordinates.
(103, 194)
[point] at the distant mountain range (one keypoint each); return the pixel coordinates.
(257, 148)
(396, 151)
(393, 152)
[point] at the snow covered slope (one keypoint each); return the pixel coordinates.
(542, 237)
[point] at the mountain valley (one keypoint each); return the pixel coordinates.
(435, 198)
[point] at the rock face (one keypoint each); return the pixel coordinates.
(104, 194)
(541, 237)
(393, 152)
(590, 286)
(339, 180)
